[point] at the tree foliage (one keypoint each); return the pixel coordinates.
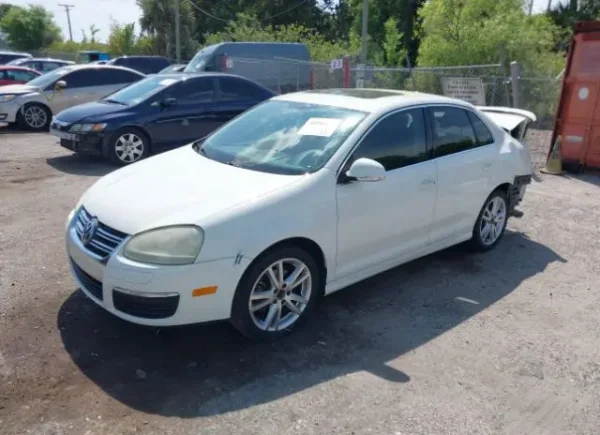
(29, 28)
(467, 32)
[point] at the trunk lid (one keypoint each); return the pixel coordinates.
(513, 121)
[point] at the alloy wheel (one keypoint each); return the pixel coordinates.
(129, 148)
(35, 117)
(280, 295)
(493, 220)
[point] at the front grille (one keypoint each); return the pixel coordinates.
(159, 307)
(90, 283)
(104, 240)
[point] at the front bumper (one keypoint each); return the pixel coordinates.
(86, 143)
(9, 111)
(154, 295)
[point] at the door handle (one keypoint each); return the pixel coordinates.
(427, 182)
(487, 166)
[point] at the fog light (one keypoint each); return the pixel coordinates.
(3, 116)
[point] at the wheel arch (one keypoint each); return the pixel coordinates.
(305, 243)
(140, 129)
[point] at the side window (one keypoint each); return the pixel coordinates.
(482, 133)
(21, 76)
(452, 131)
(117, 77)
(195, 90)
(49, 66)
(233, 90)
(396, 141)
(82, 78)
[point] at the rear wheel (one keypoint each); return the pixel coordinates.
(491, 222)
(276, 293)
(35, 117)
(127, 146)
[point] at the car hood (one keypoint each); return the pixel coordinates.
(95, 109)
(19, 89)
(177, 187)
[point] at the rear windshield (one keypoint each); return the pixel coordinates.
(5, 58)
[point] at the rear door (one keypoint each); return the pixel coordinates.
(465, 155)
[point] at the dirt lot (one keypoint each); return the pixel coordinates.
(502, 343)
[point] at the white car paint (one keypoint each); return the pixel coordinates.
(57, 100)
(362, 228)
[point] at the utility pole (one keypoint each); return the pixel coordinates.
(549, 6)
(365, 31)
(68, 10)
(177, 33)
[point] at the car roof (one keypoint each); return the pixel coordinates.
(49, 59)
(368, 100)
(18, 68)
(20, 53)
(77, 67)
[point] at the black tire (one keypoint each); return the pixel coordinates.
(240, 312)
(31, 112)
(117, 150)
(479, 241)
(573, 168)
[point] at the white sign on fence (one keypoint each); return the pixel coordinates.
(336, 64)
(468, 89)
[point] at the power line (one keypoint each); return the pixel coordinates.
(264, 19)
(68, 10)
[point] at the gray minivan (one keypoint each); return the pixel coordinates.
(281, 67)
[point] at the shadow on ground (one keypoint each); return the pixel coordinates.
(210, 369)
(81, 164)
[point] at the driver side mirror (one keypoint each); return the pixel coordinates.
(366, 170)
(169, 102)
(60, 85)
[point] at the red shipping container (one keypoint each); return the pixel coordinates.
(578, 114)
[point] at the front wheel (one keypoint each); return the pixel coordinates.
(276, 293)
(35, 117)
(127, 146)
(491, 222)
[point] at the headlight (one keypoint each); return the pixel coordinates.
(6, 98)
(167, 245)
(84, 128)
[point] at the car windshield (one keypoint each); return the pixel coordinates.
(171, 68)
(140, 91)
(282, 137)
(198, 63)
(50, 77)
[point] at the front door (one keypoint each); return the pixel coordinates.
(383, 221)
(191, 117)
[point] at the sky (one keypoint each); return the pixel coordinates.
(101, 12)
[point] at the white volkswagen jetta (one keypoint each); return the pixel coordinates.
(299, 197)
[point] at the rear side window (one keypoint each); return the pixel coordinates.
(232, 89)
(396, 141)
(482, 133)
(117, 77)
(190, 91)
(452, 131)
(49, 66)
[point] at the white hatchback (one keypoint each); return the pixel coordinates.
(297, 198)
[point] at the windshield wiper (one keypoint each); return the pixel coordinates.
(108, 100)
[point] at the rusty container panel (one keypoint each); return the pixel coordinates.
(578, 114)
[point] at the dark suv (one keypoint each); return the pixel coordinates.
(143, 64)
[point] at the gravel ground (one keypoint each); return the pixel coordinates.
(501, 343)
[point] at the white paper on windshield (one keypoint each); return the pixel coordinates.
(320, 127)
(167, 82)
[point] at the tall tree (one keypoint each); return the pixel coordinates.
(31, 28)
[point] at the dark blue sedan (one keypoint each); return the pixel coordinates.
(154, 114)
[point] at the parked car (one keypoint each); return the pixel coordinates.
(14, 75)
(282, 67)
(8, 56)
(159, 112)
(298, 197)
(175, 68)
(33, 104)
(41, 65)
(143, 64)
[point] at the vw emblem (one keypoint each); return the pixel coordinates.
(89, 230)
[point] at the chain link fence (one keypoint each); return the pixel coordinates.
(495, 82)
(541, 95)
